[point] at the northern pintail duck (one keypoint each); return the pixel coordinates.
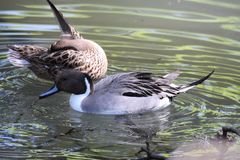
(124, 93)
(71, 51)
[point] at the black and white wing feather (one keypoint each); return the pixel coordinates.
(141, 84)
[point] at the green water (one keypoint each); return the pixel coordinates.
(194, 36)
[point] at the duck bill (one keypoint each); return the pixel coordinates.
(50, 92)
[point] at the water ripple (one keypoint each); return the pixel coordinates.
(136, 37)
(218, 4)
(142, 12)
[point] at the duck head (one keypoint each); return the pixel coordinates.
(70, 81)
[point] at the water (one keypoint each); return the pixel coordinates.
(156, 36)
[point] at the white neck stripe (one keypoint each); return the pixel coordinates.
(76, 99)
(88, 87)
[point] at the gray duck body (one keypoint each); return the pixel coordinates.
(124, 93)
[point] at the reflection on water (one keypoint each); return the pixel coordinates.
(192, 35)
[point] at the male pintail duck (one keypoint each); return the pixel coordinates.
(123, 93)
(72, 51)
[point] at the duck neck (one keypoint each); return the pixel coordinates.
(77, 99)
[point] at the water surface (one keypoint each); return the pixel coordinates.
(194, 36)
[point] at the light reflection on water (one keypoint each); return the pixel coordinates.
(146, 36)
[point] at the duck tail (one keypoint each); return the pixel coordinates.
(187, 87)
(67, 30)
(16, 56)
(21, 55)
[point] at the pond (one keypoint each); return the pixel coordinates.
(194, 36)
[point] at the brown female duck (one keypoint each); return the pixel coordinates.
(71, 51)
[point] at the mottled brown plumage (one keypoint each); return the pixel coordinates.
(71, 51)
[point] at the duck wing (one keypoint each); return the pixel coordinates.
(141, 84)
(68, 31)
(133, 84)
(146, 84)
